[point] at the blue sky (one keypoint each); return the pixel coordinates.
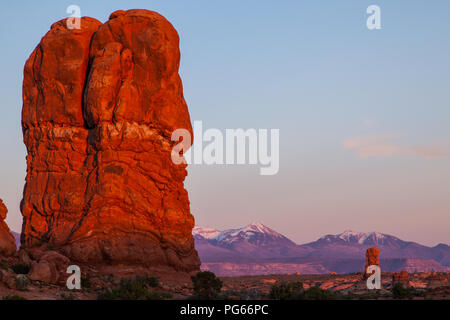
(364, 116)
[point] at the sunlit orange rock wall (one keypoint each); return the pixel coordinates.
(99, 107)
(371, 259)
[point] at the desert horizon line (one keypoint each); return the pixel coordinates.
(366, 233)
(300, 243)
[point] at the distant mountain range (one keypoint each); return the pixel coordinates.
(257, 249)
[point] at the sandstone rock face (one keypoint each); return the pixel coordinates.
(8, 278)
(24, 258)
(371, 259)
(50, 268)
(100, 106)
(43, 271)
(7, 242)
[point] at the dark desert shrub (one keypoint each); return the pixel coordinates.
(21, 268)
(4, 265)
(149, 281)
(14, 297)
(400, 292)
(316, 293)
(286, 291)
(206, 285)
(86, 282)
(133, 289)
(68, 296)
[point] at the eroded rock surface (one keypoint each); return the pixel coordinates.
(51, 268)
(7, 242)
(100, 105)
(371, 259)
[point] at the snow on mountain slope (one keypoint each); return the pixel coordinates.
(204, 232)
(252, 241)
(255, 233)
(232, 235)
(361, 238)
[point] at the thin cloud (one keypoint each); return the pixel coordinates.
(441, 150)
(370, 123)
(381, 150)
(382, 146)
(362, 142)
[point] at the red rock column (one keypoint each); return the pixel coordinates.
(126, 201)
(371, 259)
(55, 135)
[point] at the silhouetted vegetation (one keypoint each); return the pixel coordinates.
(286, 291)
(400, 292)
(68, 296)
(21, 268)
(4, 265)
(243, 294)
(372, 295)
(206, 285)
(134, 289)
(14, 297)
(295, 291)
(316, 293)
(86, 282)
(150, 281)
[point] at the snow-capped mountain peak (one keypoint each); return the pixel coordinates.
(259, 227)
(205, 232)
(350, 236)
(255, 233)
(362, 238)
(244, 233)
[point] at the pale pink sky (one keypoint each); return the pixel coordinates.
(364, 115)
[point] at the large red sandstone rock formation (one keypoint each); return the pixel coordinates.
(100, 105)
(371, 259)
(7, 242)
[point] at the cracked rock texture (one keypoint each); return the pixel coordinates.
(99, 107)
(371, 259)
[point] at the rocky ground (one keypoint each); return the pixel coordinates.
(24, 276)
(41, 274)
(425, 285)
